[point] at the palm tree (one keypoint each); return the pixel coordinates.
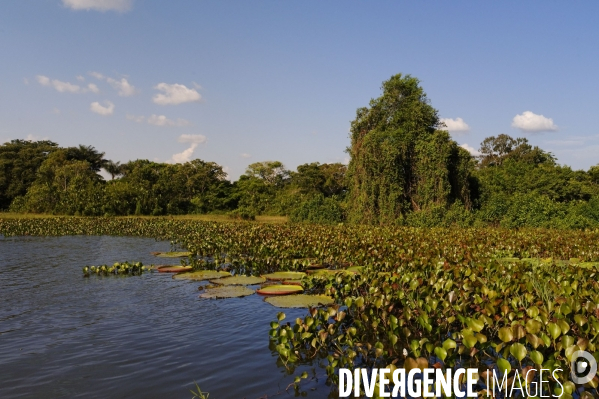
(113, 168)
(87, 153)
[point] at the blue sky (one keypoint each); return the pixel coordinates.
(237, 82)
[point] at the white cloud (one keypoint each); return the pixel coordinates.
(161, 120)
(455, 125)
(531, 122)
(31, 137)
(102, 110)
(93, 88)
(245, 155)
(80, 78)
(194, 140)
(175, 94)
(136, 118)
(470, 149)
(26, 81)
(124, 88)
(65, 87)
(99, 5)
(96, 75)
(56, 111)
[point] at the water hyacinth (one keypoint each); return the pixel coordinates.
(118, 268)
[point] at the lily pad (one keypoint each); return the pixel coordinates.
(202, 275)
(292, 282)
(173, 254)
(354, 269)
(280, 290)
(299, 301)
(174, 269)
(239, 280)
(280, 276)
(228, 291)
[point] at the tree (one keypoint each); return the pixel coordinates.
(495, 150)
(86, 153)
(272, 173)
(114, 169)
(20, 161)
(400, 162)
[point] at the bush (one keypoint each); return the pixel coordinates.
(318, 209)
(242, 213)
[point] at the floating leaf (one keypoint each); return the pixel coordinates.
(355, 269)
(299, 301)
(280, 290)
(518, 351)
(174, 269)
(202, 275)
(227, 291)
(279, 276)
(506, 334)
(239, 280)
(504, 365)
(173, 254)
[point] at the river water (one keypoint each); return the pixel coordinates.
(66, 336)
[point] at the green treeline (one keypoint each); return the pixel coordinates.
(404, 169)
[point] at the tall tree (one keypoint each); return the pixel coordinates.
(114, 169)
(400, 161)
(20, 161)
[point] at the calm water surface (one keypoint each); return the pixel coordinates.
(65, 336)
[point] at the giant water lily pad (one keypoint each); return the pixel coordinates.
(299, 301)
(280, 290)
(279, 276)
(202, 275)
(227, 291)
(173, 269)
(239, 280)
(354, 269)
(172, 254)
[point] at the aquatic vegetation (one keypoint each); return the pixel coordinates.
(299, 301)
(279, 276)
(174, 269)
(200, 275)
(280, 289)
(239, 280)
(485, 298)
(118, 268)
(227, 291)
(181, 254)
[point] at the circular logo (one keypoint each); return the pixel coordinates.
(583, 363)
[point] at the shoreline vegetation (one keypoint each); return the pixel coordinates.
(495, 299)
(404, 169)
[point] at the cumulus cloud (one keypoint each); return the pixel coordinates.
(31, 137)
(161, 120)
(99, 5)
(65, 87)
(96, 75)
(531, 122)
(455, 125)
(173, 94)
(99, 109)
(124, 88)
(470, 149)
(245, 155)
(80, 78)
(136, 118)
(93, 88)
(194, 140)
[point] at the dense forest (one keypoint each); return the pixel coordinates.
(404, 169)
